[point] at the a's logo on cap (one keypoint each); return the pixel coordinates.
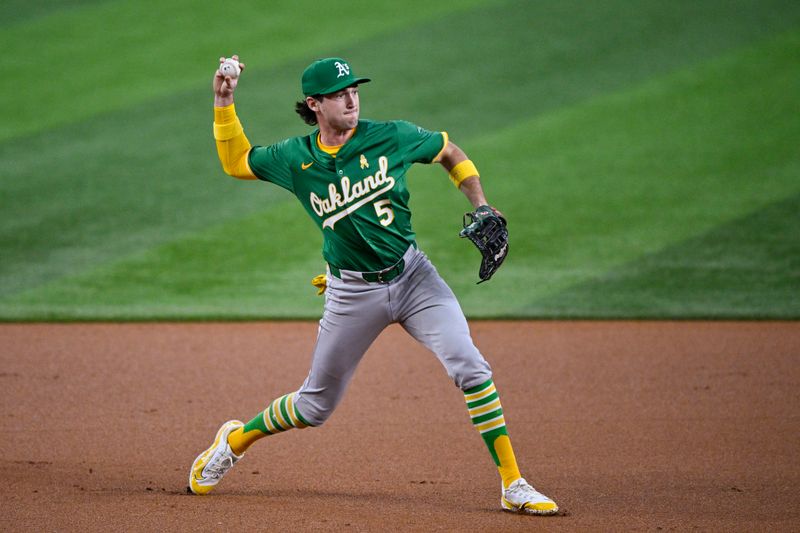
(344, 69)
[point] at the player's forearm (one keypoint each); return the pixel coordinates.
(472, 189)
(232, 144)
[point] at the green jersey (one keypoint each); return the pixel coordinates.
(359, 198)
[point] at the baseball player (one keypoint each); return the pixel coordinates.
(349, 174)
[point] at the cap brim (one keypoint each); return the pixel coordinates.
(344, 83)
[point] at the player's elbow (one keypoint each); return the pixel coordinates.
(238, 169)
(233, 153)
(234, 162)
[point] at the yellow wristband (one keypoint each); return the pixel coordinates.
(460, 172)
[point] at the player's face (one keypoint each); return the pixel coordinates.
(339, 110)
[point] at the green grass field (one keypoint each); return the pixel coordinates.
(647, 154)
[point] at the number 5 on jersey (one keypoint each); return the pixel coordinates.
(384, 209)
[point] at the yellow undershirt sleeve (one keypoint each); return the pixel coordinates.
(232, 144)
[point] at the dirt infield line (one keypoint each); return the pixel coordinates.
(628, 425)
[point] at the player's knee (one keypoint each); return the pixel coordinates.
(315, 413)
(471, 374)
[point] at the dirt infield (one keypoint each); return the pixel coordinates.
(639, 426)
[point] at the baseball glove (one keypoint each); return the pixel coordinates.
(487, 230)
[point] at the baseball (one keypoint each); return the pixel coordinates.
(230, 67)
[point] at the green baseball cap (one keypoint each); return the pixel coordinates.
(325, 76)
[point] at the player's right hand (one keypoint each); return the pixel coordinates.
(225, 85)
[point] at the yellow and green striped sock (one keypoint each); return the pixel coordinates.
(486, 413)
(280, 416)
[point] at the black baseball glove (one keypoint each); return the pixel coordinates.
(487, 230)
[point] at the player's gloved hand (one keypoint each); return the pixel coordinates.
(486, 228)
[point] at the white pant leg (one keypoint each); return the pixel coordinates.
(427, 308)
(354, 316)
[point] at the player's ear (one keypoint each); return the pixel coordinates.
(312, 103)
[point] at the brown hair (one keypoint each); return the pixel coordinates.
(305, 112)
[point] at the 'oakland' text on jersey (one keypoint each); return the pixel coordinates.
(357, 196)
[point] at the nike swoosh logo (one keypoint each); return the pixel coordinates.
(304, 166)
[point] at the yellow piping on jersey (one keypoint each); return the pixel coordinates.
(444, 145)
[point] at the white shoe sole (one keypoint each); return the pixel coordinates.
(529, 508)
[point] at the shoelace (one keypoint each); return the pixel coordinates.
(218, 465)
(524, 491)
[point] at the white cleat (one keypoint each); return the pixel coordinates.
(209, 467)
(520, 497)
